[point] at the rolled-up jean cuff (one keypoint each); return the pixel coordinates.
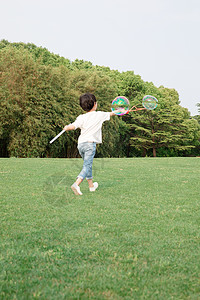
(88, 178)
(79, 177)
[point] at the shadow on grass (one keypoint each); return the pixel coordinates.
(57, 187)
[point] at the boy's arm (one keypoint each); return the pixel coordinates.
(112, 113)
(69, 127)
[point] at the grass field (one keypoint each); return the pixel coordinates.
(136, 237)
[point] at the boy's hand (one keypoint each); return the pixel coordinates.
(121, 110)
(69, 127)
(65, 128)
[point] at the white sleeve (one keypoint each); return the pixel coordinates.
(78, 122)
(105, 116)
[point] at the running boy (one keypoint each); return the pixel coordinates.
(91, 134)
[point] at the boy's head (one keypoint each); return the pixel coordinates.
(87, 101)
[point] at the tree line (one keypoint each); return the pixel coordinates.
(39, 94)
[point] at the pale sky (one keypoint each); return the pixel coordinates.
(157, 39)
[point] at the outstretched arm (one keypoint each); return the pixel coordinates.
(112, 114)
(69, 127)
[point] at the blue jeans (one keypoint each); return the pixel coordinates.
(87, 151)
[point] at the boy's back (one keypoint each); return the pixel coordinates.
(90, 125)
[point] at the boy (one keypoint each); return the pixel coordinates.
(90, 125)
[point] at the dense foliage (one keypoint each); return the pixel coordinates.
(39, 94)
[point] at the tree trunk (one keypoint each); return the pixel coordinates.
(144, 152)
(154, 151)
(153, 139)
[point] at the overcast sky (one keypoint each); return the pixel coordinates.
(157, 39)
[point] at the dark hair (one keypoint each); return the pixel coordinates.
(87, 101)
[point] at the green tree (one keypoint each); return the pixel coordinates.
(38, 100)
(27, 101)
(167, 127)
(197, 117)
(39, 94)
(44, 55)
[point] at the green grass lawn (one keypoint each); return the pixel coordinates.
(136, 237)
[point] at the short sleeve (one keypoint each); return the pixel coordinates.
(78, 122)
(105, 116)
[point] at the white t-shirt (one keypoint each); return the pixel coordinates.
(90, 125)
